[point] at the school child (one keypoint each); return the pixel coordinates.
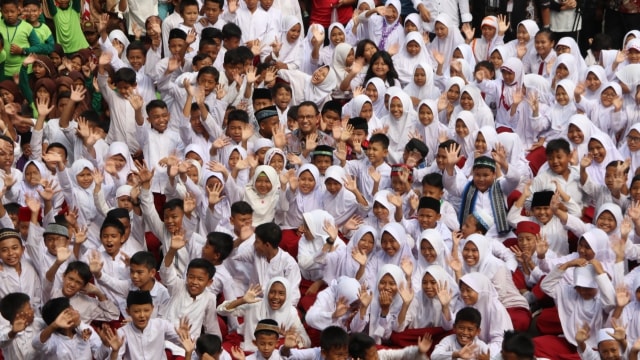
(627, 309)
(336, 305)
(24, 41)
(612, 184)
(435, 301)
(585, 301)
(361, 346)
(276, 305)
(125, 341)
(377, 151)
(493, 29)
(503, 89)
(465, 343)
(266, 260)
(542, 59)
(22, 326)
(428, 216)
(606, 113)
(253, 21)
(212, 9)
(342, 199)
(447, 36)
(266, 334)
(334, 343)
(189, 297)
(476, 291)
(209, 347)
(18, 274)
(65, 335)
(384, 26)
(412, 53)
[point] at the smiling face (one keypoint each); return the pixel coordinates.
(72, 283)
(388, 284)
(543, 44)
(11, 251)
(429, 286)
(380, 212)
(263, 185)
(562, 98)
(306, 182)
(606, 222)
(366, 243)
(461, 129)
(277, 296)
(465, 331)
(470, 254)
(597, 151)
(441, 30)
(389, 244)
(197, 281)
(336, 36)
(173, 219)
(428, 252)
(468, 295)
(380, 68)
(483, 178)
(584, 250)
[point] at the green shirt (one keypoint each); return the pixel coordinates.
(21, 34)
(68, 30)
(45, 36)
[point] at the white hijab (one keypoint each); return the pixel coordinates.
(596, 170)
(264, 206)
(560, 115)
(291, 53)
(343, 204)
(467, 143)
(430, 133)
(397, 231)
(341, 262)
(376, 330)
(601, 74)
(447, 45)
(400, 128)
(426, 91)
(404, 62)
(429, 310)
(307, 66)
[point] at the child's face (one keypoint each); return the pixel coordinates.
(212, 10)
(262, 151)
(609, 350)
(142, 276)
(593, 82)
(125, 89)
(193, 174)
(432, 191)
(111, 241)
(10, 13)
(419, 77)
(610, 176)
(399, 186)
(559, 160)
(234, 130)
(371, 91)
(390, 14)
(52, 242)
(333, 186)
(496, 59)
(428, 218)
(508, 76)
(42, 93)
(85, 178)
(292, 124)
(55, 58)
(294, 33)
(483, 178)
(263, 185)
(277, 162)
(543, 44)
(441, 30)
(465, 331)
(633, 140)
(379, 69)
(39, 71)
(32, 13)
(330, 117)
(366, 243)
(341, 353)
(210, 254)
(413, 48)
(136, 59)
(430, 255)
(197, 281)
(176, 45)
(409, 27)
(306, 182)
(586, 293)
(72, 283)
(480, 144)
(607, 96)
(388, 285)
(441, 157)
(32, 175)
(125, 202)
(380, 212)
(466, 101)
(584, 250)
(336, 36)
(597, 151)
(633, 56)
(562, 98)
(259, 104)
(562, 72)
(457, 54)
(319, 75)
(561, 49)
(322, 162)
(527, 242)
(277, 296)
(470, 254)
(140, 314)
(395, 108)
(240, 220)
(173, 219)
(266, 344)
(488, 32)
(389, 244)
(522, 35)
(234, 158)
(542, 213)
(190, 15)
(159, 119)
(606, 222)
(376, 153)
(453, 94)
(282, 98)
(366, 112)
(11, 251)
(468, 295)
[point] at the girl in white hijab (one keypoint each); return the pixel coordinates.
(337, 200)
(343, 58)
(465, 128)
(347, 261)
(604, 112)
(448, 37)
(342, 289)
(422, 84)
(308, 64)
(314, 238)
(429, 127)
(292, 39)
(120, 156)
(77, 187)
(515, 153)
(262, 193)
(356, 30)
(579, 132)
(413, 52)
(303, 196)
(471, 100)
(316, 87)
(503, 90)
(385, 30)
(524, 44)
(482, 46)
(432, 250)
(429, 311)
(337, 35)
(565, 67)
(362, 106)
(602, 151)
(376, 90)
(630, 149)
(569, 45)
(275, 305)
(401, 120)
(595, 79)
(561, 110)
(394, 246)
(451, 90)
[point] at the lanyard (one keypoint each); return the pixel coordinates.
(10, 38)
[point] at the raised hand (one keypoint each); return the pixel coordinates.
(350, 183)
(237, 353)
(445, 295)
(406, 293)
(586, 160)
(359, 256)
(424, 343)
(95, 262)
(468, 351)
(503, 24)
(353, 223)
(62, 254)
(406, 264)
(214, 194)
(468, 32)
(42, 105)
(583, 333)
(342, 306)
(623, 296)
(178, 240)
(252, 294)
(331, 230)
(365, 297)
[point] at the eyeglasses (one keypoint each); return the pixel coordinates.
(633, 138)
(306, 117)
(609, 94)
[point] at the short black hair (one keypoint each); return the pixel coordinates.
(185, 3)
(57, 145)
(203, 264)
(155, 104)
(12, 208)
(231, 30)
(447, 144)
(241, 208)
(244, 53)
(469, 314)
(360, 47)
(333, 337)
(615, 164)
(112, 223)
(9, 2)
(359, 343)
(278, 86)
(139, 297)
(238, 115)
(519, 343)
(485, 64)
(558, 145)
(208, 344)
(222, 242)
(310, 103)
(173, 204)
(53, 308)
(219, 2)
(601, 41)
(265, 331)
(200, 57)
(145, 259)
(211, 33)
(136, 45)
(433, 179)
(126, 75)
(208, 70)
(8, 139)
(269, 233)
(332, 105)
(11, 304)
(81, 268)
(381, 139)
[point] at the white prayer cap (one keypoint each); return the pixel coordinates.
(483, 218)
(124, 190)
(603, 335)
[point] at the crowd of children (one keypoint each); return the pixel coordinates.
(224, 182)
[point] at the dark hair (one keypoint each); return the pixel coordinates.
(173, 204)
(381, 139)
(208, 343)
(615, 164)
(479, 226)
(63, 95)
(359, 343)
(126, 75)
(244, 53)
(237, 115)
(53, 308)
(112, 223)
(269, 233)
(185, 3)
(485, 64)
(293, 112)
(241, 208)
(200, 57)
(433, 179)
(278, 86)
(208, 70)
(231, 30)
(558, 145)
(10, 2)
(547, 32)
(12, 208)
(469, 314)
(155, 104)
(7, 139)
(203, 264)
(332, 105)
(81, 268)
(265, 331)
(361, 45)
(219, 2)
(145, 259)
(333, 337)
(11, 304)
(210, 34)
(137, 297)
(392, 74)
(310, 103)
(447, 144)
(601, 41)
(136, 45)
(221, 242)
(519, 343)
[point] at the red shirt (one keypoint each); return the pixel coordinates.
(321, 12)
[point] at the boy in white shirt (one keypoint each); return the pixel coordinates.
(17, 273)
(22, 327)
(363, 346)
(464, 342)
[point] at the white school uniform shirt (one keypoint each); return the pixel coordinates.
(200, 311)
(53, 133)
(218, 25)
(90, 309)
(282, 264)
(121, 128)
(121, 288)
(14, 194)
(359, 169)
(240, 271)
(553, 230)
(458, 11)
(449, 344)
(61, 347)
(40, 257)
(532, 63)
(170, 22)
(20, 348)
(413, 228)
(28, 281)
(543, 181)
(147, 343)
(155, 146)
(275, 355)
(254, 25)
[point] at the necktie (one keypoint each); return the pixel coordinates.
(541, 68)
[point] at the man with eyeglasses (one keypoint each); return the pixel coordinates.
(307, 136)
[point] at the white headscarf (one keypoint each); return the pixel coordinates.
(291, 53)
(397, 231)
(378, 105)
(83, 197)
(596, 170)
(122, 38)
(575, 51)
(586, 126)
(284, 315)
(490, 137)
(481, 47)
(307, 66)
(343, 204)
(601, 74)
(487, 263)
(376, 330)
(628, 154)
(467, 54)
(434, 238)
(426, 91)
(404, 62)
(264, 206)
(561, 115)
(429, 310)
(339, 65)
(481, 111)
(312, 200)
(570, 62)
(532, 29)
(540, 86)
(319, 93)
(468, 146)
(341, 262)
(447, 45)
(120, 148)
(400, 128)
(506, 97)
(431, 132)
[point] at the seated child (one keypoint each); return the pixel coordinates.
(464, 343)
(266, 334)
(334, 344)
(21, 329)
(363, 346)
